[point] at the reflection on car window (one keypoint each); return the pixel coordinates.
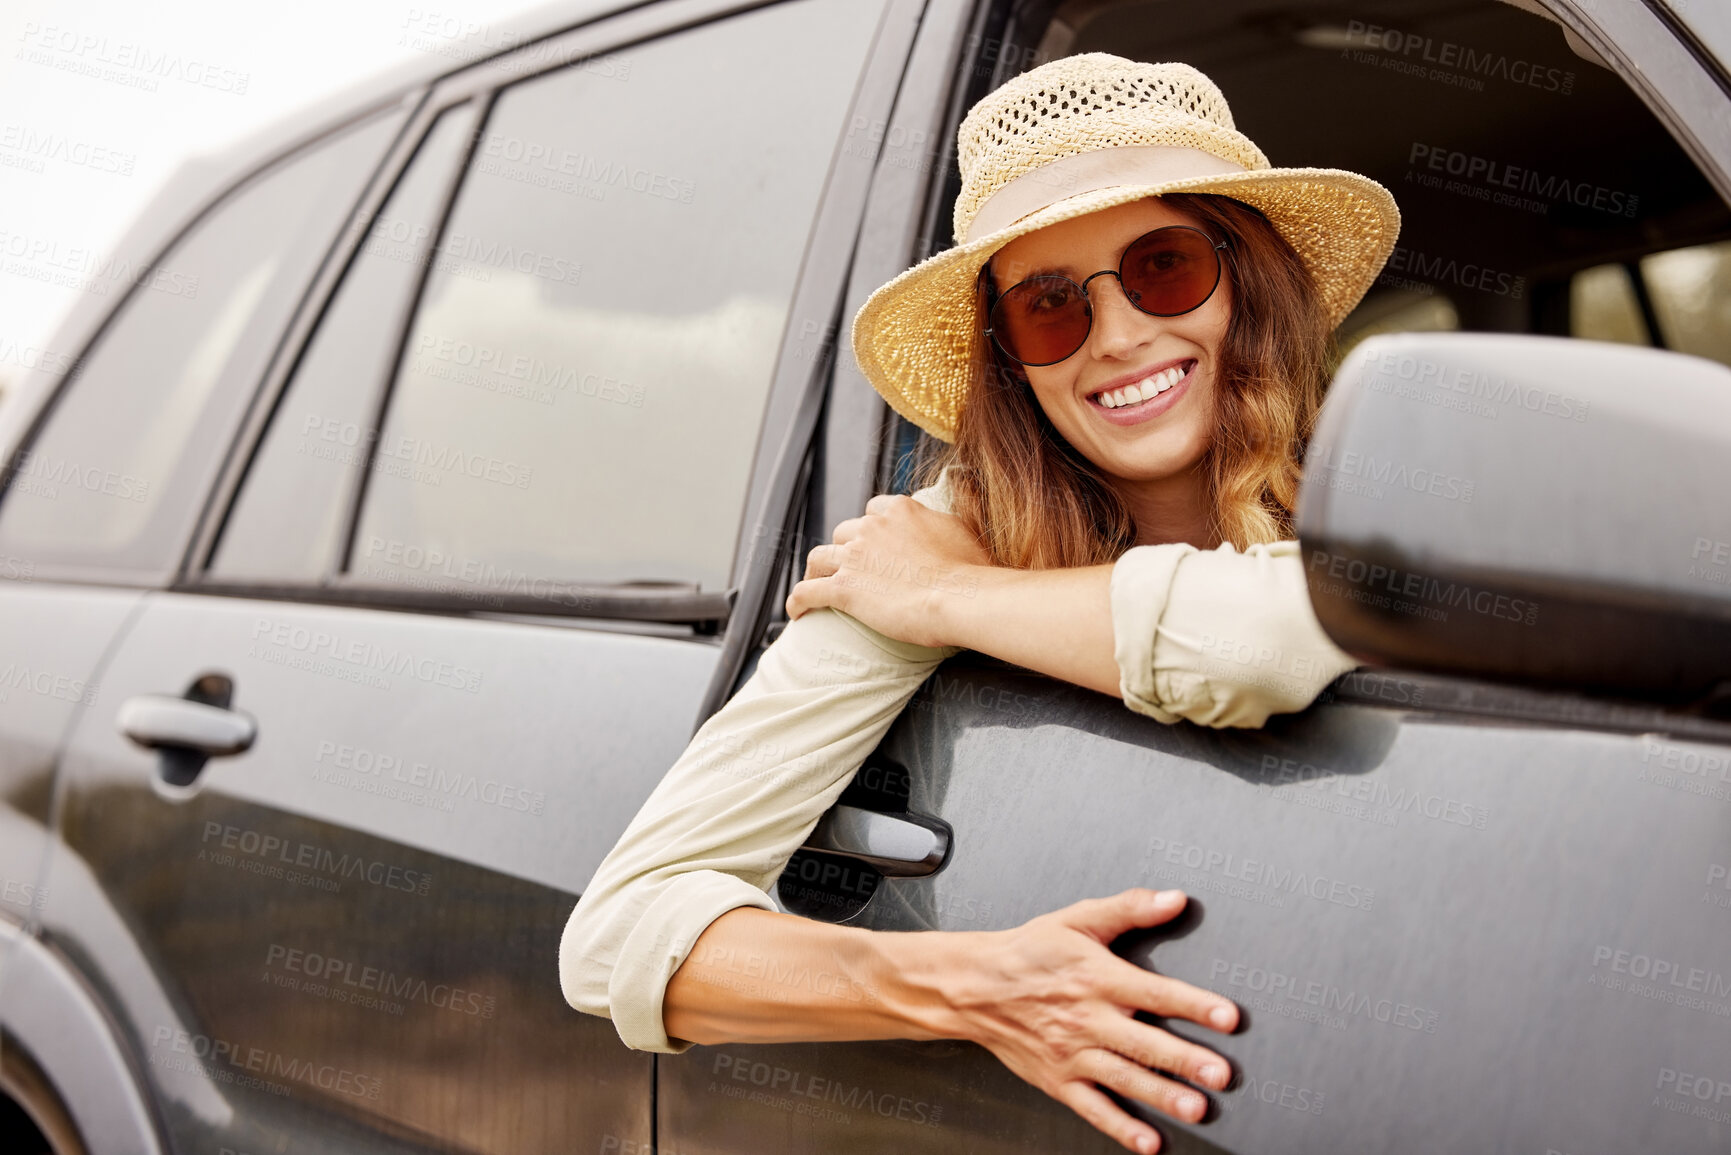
(1603, 307)
(291, 511)
(583, 385)
(1688, 301)
(1691, 291)
(123, 465)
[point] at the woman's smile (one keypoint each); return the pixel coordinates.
(1136, 397)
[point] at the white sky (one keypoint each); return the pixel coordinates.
(80, 154)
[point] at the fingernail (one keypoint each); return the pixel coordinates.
(1193, 1105)
(1145, 1145)
(1221, 1017)
(1213, 1074)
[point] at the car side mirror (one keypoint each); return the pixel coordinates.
(1541, 509)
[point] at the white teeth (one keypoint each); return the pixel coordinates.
(1142, 390)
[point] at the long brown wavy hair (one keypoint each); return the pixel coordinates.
(1037, 503)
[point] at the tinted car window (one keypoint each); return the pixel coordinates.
(117, 476)
(290, 515)
(588, 369)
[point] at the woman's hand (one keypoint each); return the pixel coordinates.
(893, 568)
(1056, 1006)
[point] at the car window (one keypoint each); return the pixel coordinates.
(289, 518)
(116, 478)
(581, 390)
(1526, 170)
(1687, 303)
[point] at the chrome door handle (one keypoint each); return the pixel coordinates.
(898, 845)
(157, 720)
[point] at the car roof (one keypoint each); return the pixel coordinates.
(200, 179)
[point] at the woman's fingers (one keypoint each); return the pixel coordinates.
(1106, 1116)
(820, 562)
(1131, 986)
(1150, 1046)
(1107, 918)
(1116, 1073)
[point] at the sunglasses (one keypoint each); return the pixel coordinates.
(1045, 318)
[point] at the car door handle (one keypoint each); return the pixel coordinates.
(898, 845)
(157, 720)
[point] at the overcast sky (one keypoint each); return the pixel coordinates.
(100, 100)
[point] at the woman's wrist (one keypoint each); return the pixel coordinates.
(920, 974)
(964, 601)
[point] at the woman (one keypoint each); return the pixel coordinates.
(1101, 433)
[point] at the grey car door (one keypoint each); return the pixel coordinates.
(461, 612)
(1457, 916)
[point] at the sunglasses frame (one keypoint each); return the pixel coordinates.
(1087, 302)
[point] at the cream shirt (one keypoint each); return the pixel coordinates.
(1217, 637)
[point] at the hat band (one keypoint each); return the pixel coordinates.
(1085, 172)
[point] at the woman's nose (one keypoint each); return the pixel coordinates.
(1120, 328)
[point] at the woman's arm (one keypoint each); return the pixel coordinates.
(1218, 637)
(676, 938)
(1047, 998)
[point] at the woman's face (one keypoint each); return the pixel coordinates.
(1149, 440)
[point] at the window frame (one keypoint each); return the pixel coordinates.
(167, 577)
(796, 387)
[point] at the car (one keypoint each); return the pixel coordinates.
(434, 463)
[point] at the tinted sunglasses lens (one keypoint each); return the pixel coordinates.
(1170, 271)
(1041, 320)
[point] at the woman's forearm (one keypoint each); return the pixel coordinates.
(1057, 622)
(760, 976)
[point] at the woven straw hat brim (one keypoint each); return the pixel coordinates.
(918, 336)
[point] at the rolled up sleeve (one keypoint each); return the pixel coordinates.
(720, 826)
(1218, 637)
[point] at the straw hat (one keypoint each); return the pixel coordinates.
(1074, 136)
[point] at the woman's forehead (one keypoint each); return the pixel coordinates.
(1082, 244)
